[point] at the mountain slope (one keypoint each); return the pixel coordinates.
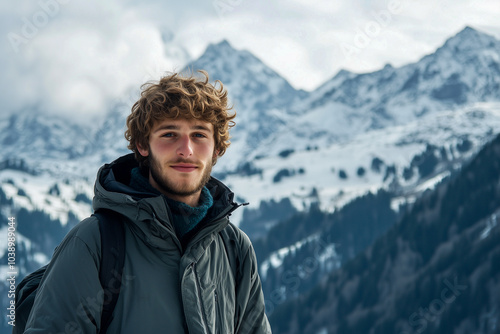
(435, 271)
(406, 159)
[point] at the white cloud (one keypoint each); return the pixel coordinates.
(78, 58)
(83, 60)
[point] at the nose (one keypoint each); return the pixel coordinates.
(185, 148)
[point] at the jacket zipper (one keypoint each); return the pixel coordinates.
(224, 214)
(218, 315)
(200, 299)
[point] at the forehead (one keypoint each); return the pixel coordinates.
(182, 124)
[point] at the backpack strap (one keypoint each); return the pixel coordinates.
(111, 227)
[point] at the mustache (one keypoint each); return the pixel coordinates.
(185, 161)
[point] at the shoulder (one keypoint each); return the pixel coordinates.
(241, 248)
(243, 252)
(80, 249)
(238, 237)
(85, 232)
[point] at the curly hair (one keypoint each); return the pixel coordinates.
(175, 96)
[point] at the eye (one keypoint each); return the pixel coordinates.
(199, 135)
(168, 134)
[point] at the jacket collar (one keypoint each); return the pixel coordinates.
(147, 210)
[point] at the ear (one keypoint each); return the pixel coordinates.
(144, 152)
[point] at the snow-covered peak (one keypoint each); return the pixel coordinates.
(466, 69)
(251, 84)
(470, 39)
(223, 48)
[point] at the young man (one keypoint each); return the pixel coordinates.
(177, 277)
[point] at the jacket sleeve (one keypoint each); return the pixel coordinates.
(70, 296)
(250, 306)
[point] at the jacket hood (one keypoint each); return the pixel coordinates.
(112, 191)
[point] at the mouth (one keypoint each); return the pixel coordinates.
(184, 168)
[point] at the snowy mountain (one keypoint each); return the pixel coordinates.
(406, 159)
(44, 142)
(466, 69)
(251, 83)
(395, 132)
(435, 271)
(29, 135)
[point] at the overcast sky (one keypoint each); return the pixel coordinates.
(79, 57)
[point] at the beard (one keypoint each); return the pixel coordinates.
(177, 188)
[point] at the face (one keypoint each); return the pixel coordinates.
(180, 155)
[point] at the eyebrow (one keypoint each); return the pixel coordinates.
(175, 127)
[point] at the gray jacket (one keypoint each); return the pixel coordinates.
(167, 286)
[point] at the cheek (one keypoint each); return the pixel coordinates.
(161, 147)
(209, 151)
